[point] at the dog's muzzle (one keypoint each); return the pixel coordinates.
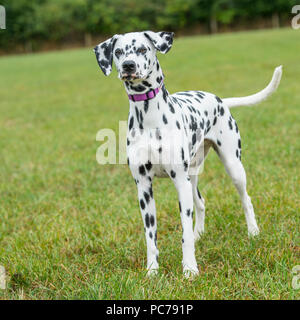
(129, 70)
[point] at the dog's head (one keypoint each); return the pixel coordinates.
(134, 53)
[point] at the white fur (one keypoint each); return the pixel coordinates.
(259, 96)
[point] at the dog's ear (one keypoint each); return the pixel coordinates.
(162, 41)
(104, 54)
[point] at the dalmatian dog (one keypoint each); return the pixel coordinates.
(171, 134)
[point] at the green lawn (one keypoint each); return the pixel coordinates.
(70, 228)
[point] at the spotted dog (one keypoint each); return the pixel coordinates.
(178, 130)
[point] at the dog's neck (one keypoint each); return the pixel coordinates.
(148, 113)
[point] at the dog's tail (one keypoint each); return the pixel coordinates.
(259, 96)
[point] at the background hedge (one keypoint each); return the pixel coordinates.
(30, 24)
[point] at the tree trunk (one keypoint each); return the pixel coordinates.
(275, 20)
(88, 40)
(28, 46)
(213, 24)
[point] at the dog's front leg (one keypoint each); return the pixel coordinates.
(185, 194)
(147, 206)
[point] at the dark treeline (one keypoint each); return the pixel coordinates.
(31, 24)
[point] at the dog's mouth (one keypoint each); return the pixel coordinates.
(131, 76)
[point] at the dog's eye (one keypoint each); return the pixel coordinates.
(142, 50)
(118, 52)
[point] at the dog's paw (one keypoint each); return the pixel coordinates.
(152, 272)
(190, 272)
(253, 232)
(198, 234)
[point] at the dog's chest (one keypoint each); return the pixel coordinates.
(161, 130)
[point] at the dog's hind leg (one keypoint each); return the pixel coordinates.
(229, 151)
(198, 198)
(237, 173)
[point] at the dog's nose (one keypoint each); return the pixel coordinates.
(129, 66)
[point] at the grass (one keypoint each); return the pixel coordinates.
(71, 229)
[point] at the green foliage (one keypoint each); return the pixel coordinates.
(36, 21)
(124, 15)
(262, 8)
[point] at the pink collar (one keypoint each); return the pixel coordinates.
(145, 96)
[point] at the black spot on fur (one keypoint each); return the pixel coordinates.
(148, 165)
(151, 192)
(163, 47)
(131, 123)
(199, 194)
(218, 99)
(165, 93)
(152, 220)
(147, 197)
(138, 88)
(200, 94)
(137, 114)
(146, 105)
(236, 127)
(141, 117)
(164, 119)
(157, 134)
(142, 170)
(171, 108)
(146, 83)
(185, 165)
(147, 220)
(194, 138)
(173, 174)
(142, 204)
